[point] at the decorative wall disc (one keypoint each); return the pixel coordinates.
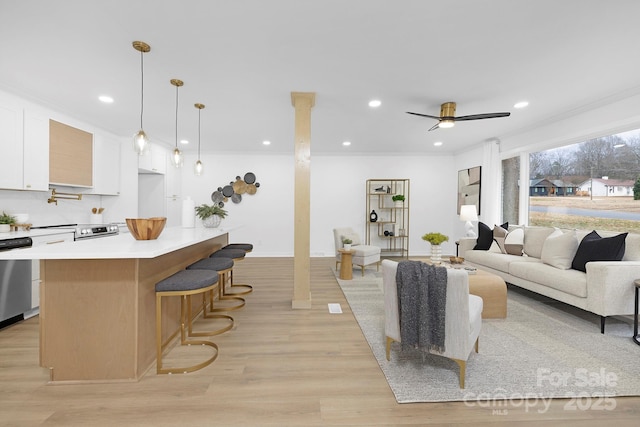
(216, 196)
(227, 191)
(249, 178)
(251, 189)
(236, 198)
(240, 187)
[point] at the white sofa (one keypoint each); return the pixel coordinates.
(606, 288)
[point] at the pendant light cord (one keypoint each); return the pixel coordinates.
(141, 87)
(199, 111)
(177, 116)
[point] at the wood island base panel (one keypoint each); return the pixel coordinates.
(97, 316)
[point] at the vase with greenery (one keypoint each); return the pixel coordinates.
(5, 222)
(398, 199)
(346, 243)
(211, 215)
(436, 239)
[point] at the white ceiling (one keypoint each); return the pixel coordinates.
(243, 58)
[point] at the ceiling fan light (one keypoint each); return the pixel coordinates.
(445, 124)
(140, 142)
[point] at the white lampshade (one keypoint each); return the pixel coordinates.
(469, 213)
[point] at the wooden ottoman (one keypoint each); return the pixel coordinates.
(493, 291)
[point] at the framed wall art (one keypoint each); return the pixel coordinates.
(469, 182)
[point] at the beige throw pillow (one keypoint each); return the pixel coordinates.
(534, 238)
(509, 242)
(559, 250)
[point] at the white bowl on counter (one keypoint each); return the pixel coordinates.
(21, 218)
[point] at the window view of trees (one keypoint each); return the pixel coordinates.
(589, 185)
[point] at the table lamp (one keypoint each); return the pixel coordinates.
(469, 213)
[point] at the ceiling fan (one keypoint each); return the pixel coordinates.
(447, 116)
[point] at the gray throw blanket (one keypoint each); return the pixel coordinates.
(422, 296)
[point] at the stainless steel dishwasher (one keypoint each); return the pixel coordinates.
(15, 283)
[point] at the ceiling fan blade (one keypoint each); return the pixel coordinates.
(434, 127)
(424, 115)
(481, 116)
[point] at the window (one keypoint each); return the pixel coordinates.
(589, 185)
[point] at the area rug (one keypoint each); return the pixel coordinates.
(542, 350)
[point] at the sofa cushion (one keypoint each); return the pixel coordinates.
(596, 248)
(559, 250)
(534, 238)
(570, 281)
(494, 260)
(365, 250)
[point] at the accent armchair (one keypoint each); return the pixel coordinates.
(463, 319)
(364, 254)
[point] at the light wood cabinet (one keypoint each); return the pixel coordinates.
(388, 221)
(70, 156)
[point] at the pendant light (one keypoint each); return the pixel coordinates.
(176, 158)
(140, 140)
(197, 169)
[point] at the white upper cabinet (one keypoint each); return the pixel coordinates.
(36, 152)
(11, 145)
(24, 142)
(155, 161)
(106, 166)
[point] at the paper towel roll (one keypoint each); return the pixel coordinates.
(188, 213)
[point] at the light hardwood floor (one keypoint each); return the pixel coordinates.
(277, 367)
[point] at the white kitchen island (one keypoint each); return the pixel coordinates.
(97, 300)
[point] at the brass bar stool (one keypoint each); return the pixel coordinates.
(184, 284)
(236, 255)
(247, 247)
(224, 267)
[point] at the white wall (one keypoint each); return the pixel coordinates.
(337, 197)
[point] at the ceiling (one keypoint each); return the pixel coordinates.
(243, 58)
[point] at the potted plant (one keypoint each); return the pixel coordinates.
(211, 215)
(346, 243)
(5, 222)
(398, 199)
(436, 239)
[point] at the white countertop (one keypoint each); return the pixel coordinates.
(113, 247)
(35, 232)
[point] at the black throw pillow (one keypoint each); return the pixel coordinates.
(596, 248)
(485, 236)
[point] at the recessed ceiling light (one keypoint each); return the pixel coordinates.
(184, 141)
(266, 142)
(106, 99)
(437, 143)
(374, 103)
(346, 143)
(521, 104)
